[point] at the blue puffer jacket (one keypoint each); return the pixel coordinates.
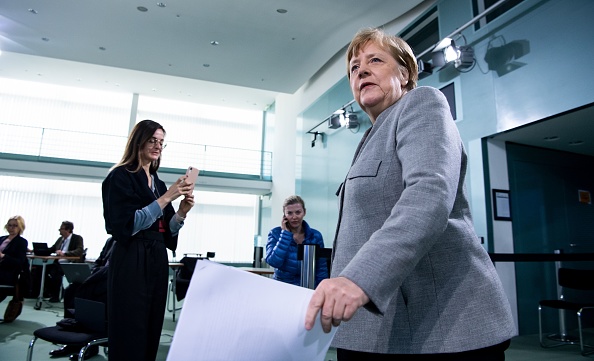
(281, 253)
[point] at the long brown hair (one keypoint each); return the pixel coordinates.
(142, 132)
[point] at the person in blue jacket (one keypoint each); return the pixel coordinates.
(283, 241)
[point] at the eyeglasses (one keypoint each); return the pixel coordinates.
(154, 141)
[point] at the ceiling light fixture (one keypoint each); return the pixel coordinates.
(32, 11)
(351, 119)
(142, 8)
(465, 51)
(336, 119)
(446, 52)
(161, 5)
(425, 69)
(214, 43)
(281, 11)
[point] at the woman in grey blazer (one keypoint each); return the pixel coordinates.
(409, 273)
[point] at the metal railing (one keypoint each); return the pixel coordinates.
(64, 144)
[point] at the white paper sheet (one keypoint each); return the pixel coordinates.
(233, 315)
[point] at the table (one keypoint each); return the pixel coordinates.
(44, 260)
(259, 271)
(174, 266)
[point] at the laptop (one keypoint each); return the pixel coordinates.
(41, 249)
(76, 272)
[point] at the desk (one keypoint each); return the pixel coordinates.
(44, 260)
(259, 271)
(174, 266)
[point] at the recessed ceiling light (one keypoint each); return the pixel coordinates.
(45, 39)
(206, 65)
(281, 11)
(576, 142)
(32, 11)
(102, 48)
(214, 42)
(161, 5)
(551, 138)
(142, 8)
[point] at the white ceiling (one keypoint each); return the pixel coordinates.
(261, 51)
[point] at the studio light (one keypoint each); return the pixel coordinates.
(425, 69)
(335, 120)
(350, 120)
(446, 52)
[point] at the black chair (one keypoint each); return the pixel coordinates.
(90, 329)
(575, 279)
(184, 274)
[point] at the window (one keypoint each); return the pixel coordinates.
(423, 33)
(478, 6)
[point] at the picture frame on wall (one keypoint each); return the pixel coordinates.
(501, 205)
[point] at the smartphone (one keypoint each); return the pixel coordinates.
(192, 174)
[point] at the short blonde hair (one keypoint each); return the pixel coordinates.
(20, 221)
(395, 45)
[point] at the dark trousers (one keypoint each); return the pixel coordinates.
(491, 353)
(53, 280)
(136, 293)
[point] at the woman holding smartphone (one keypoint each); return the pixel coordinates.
(283, 242)
(139, 215)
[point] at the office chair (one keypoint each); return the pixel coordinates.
(90, 329)
(184, 274)
(569, 279)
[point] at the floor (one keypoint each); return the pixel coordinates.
(15, 338)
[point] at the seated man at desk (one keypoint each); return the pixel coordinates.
(70, 245)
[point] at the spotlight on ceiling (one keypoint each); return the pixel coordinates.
(350, 120)
(425, 69)
(335, 120)
(446, 52)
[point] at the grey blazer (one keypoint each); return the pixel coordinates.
(405, 236)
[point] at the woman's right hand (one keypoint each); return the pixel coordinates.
(177, 189)
(285, 224)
